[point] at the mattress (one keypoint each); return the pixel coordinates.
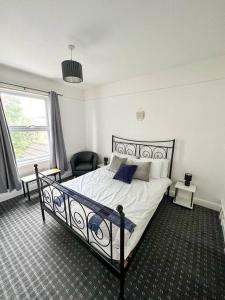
(139, 199)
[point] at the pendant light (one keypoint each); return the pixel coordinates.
(71, 69)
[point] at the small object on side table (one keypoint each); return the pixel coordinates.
(106, 161)
(188, 203)
(187, 178)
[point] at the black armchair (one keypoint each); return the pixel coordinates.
(83, 162)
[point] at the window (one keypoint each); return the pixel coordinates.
(27, 120)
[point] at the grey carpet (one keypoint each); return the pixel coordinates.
(181, 257)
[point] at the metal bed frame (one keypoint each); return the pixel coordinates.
(77, 222)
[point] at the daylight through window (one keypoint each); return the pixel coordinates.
(28, 124)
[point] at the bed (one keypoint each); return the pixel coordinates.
(121, 211)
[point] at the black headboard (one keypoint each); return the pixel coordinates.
(147, 149)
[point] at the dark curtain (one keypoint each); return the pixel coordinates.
(58, 158)
(9, 178)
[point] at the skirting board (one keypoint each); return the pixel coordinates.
(202, 202)
(32, 186)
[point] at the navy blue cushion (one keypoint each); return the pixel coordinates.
(125, 173)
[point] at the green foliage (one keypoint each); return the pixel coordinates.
(15, 117)
(14, 112)
(21, 141)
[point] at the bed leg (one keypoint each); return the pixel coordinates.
(39, 191)
(168, 191)
(122, 270)
(43, 214)
(121, 296)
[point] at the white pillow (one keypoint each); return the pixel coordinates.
(120, 155)
(159, 167)
(165, 167)
(156, 167)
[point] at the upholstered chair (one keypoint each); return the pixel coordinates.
(83, 162)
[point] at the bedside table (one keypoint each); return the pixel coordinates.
(188, 203)
(101, 165)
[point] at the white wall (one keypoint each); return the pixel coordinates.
(71, 108)
(186, 103)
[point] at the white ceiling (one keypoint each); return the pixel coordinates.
(115, 39)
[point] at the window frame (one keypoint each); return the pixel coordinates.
(30, 128)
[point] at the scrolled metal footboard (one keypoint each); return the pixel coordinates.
(75, 216)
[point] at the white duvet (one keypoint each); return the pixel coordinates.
(139, 200)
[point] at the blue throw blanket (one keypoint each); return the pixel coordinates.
(96, 220)
(101, 211)
(58, 200)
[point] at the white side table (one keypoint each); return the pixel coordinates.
(101, 165)
(183, 201)
(222, 218)
(30, 178)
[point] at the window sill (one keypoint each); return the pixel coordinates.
(28, 167)
(28, 162)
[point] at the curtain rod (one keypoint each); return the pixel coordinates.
(26, 88)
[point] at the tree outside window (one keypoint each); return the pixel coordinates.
(27, 120)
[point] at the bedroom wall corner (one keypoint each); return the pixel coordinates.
(186, 103)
